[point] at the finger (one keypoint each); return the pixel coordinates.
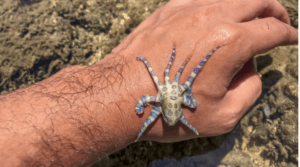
(245, 10)
(276, 10)
(268, 33)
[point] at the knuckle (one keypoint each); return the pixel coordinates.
(284, 31)
(230, 32)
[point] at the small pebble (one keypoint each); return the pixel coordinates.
(267, 111)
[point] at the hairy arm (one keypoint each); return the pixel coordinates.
(72, 118)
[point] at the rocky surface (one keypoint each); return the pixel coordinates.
(40, 37)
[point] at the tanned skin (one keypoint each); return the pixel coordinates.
(84, 113)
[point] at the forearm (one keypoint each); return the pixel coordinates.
(80, 114)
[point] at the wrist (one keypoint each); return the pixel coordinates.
(134, 82)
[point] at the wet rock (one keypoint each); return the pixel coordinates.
(237, 158)
(287, 130)
(291, 91)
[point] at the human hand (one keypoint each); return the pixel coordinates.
(226, 86)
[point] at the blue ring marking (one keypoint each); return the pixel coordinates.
(196, 70)
(190, 79)
(174, 86)
(208, 56)
(213, 51)
(147, 121)
(175, 105)
(159, 98)
(187, 100)
(170, 105)
(153, 114)
(184, 86)
(201, 63)
(144, 126)
(176, 113)
(164, 89)
(173, 97)
(142, 100)
(170, 120)
(170, 113)
(158, 83)
(166, 74)
(173, 92)
(176, 79)
(218, 47)
(189, 91)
